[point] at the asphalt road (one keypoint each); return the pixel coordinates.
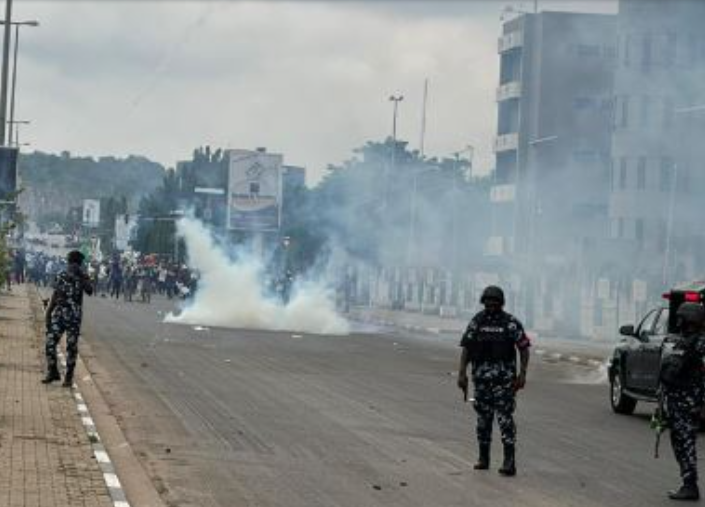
(234, 418)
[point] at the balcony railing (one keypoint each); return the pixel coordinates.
(507, 91)
(510, 41)
(503, 193)
(506, 142)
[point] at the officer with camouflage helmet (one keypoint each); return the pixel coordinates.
(64, 314)
(490, 345)
(681, 381)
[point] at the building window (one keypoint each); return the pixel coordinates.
(623, 173)
(583, 103)
(626, 53)
(645, 103)
(666, 174)
(620, 228)
(641, 174)
(588, 50)
(624, 120)
(668, 112)
(670, 50)
(639, 230)
(584, 156)
(646, 56)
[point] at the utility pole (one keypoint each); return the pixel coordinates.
(5, 72)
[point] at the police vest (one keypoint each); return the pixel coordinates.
(681, 362)
(493, 341)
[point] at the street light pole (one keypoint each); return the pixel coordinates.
(5, 72)
(396, 99)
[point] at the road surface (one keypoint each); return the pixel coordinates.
(232, 418)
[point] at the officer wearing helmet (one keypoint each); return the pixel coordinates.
(490, 345)
(63, 315)
(681, 381)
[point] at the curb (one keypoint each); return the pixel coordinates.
(112, 482)
(546, 355)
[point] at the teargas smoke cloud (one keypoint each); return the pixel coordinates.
(231, 293)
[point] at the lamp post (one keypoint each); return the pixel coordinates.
(17, 25)
(395, 99)
(5, 72)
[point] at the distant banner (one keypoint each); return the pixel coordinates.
(8, 172)
(91, 212)
(254, 190)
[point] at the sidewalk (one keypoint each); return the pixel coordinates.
(46, 458)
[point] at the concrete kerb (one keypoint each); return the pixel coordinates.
(101, 453)
(547, 354)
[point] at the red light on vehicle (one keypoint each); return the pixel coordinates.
(692, 297)
(666, 295)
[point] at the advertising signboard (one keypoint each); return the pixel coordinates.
(254, 191)
(91, 212)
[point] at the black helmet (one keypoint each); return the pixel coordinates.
(75, 257)
(492, 293)
(691, 312)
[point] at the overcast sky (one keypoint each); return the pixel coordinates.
(308, 79)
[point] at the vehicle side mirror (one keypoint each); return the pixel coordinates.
(627, 330)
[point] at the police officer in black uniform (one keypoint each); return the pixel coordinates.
(490, 345)
(683, 392)
(64, 314)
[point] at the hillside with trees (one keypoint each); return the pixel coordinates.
(56, 184)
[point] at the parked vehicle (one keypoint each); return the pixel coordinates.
(634, 366)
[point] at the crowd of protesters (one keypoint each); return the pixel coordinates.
(130, 278)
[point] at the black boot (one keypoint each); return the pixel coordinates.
(688, 491)
(52, 375)
(68, 379)
(483, 462)
(509, 468)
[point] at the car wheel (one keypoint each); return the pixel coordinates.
(621, 402)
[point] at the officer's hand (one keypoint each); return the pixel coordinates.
(520, 382)
(463, 381)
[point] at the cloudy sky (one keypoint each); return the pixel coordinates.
(307, 79)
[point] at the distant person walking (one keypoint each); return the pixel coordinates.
(63, 315)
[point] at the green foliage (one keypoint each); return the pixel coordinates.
(58, 183)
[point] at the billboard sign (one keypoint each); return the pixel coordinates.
(254, 191)
(91, 212)
(8, 172)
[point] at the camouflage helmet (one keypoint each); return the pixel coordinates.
(492, 293)
(691, 312)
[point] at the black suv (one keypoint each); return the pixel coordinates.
(634, 366)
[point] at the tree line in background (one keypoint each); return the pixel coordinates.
(56, 185)
(385, 205)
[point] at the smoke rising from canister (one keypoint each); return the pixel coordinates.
(231, 293)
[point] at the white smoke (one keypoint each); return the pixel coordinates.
(231, 293)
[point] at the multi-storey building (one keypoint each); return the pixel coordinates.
(657, 150)
(553, 133)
